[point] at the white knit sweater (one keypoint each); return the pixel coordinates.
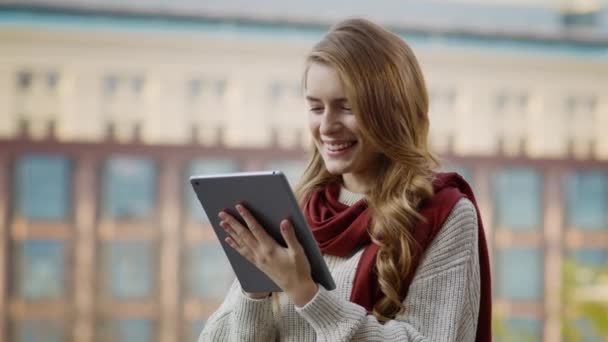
(442, 302)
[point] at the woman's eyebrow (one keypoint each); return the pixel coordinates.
(310, 98)
(339, 100)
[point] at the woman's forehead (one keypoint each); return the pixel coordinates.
(323, 83)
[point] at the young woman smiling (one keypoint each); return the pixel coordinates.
(405, 244)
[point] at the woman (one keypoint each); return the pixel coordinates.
(405, 245)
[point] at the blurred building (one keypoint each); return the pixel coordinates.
(107, 107)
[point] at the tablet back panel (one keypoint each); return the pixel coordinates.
(270, 198)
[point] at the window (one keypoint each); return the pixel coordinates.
(201, 167)
(52, 79)
(276, 91)
(129, 188)
(209, 272)
(580, 104)
(574, 17)
(293, 169)
(464, 171)
(24, 80)
(206, 87)
(595, 257)
(587, 332)
(520, 273)
(40, 271)
(279, 90)
(518, 199)
(586, 200)
(110, 85)
(38, 330)
(127, 330)
(522, 329)
(43, 187)
(195, 328)
(129, 269)
(220, 88)
(194, 88)
(443, 99)
(137, 84)
(511, 101)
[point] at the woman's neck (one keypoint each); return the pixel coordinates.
(357, 183)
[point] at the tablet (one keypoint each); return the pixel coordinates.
(269, 197)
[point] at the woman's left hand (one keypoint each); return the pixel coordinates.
(287, 267)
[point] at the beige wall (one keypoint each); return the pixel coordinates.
(465, 85)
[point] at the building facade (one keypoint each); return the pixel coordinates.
(105, 115)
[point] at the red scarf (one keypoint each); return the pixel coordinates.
(341, 230)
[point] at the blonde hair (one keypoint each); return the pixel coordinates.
(385, 87)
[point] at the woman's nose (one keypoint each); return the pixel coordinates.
(329, 122)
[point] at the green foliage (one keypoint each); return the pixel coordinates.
(579, 304)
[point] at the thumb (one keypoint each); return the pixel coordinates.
(290, 236)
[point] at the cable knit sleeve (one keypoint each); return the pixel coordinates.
(442, 302)
(240, 318)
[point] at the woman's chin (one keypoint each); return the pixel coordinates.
(336, 169)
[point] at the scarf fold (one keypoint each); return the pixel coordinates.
(341, 230)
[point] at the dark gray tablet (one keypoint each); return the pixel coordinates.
(270, 199)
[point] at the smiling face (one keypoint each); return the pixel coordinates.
(333, 124)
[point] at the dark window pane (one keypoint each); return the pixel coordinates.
(52, 79)
(110, 84)
(24, 80)
(41, 269)
(138, 84)
(276, 90)
(195, 330)
(586, 202)
(220, 88)
(38, 331)
(203, 167)
(591, 257)
(462, 170)
(500, 101)
(127, 330)
(209, 272)
(518, 199)
(293, 169)
(129, 268)
(194, 88)
(129, 188)
(133, 330)
(43, 187)
(586, 330)
(520, 273)
(522, 329)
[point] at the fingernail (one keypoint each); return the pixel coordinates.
(221, 215)
(239, 208)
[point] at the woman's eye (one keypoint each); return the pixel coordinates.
(316, 109)
(347, 109)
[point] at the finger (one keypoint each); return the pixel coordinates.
(231, 233)
(290, 236)
(233, 240)
(256, 229)
(242, 250)
(242, 233)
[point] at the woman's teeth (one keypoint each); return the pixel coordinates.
(339, 147)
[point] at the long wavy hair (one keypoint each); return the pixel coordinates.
(385, 87)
